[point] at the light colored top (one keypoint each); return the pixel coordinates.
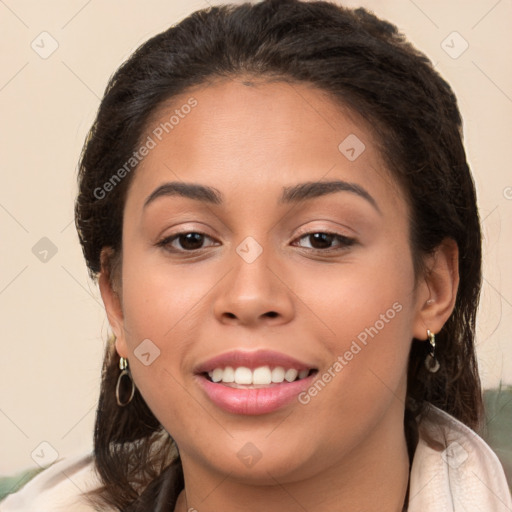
(460, 474)
(57, 488)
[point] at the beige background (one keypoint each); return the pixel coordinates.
(53, 324)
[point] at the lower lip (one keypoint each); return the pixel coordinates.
(256, 400)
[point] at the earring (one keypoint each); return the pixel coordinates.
(431, 362)
(123, 366)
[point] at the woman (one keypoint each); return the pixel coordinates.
(276, 203)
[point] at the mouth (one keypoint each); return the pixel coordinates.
(253, 383)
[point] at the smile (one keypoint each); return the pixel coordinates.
(253, 383)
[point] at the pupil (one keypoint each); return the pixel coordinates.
(191, 241)
(324, 240)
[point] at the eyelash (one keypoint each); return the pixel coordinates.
(344, 241)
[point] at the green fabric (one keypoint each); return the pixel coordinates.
(498, 434)
(10, 484)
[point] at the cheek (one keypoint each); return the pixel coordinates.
(372, 293)
(164, 309)
(159, 299)
(369, 312)
(368, 309)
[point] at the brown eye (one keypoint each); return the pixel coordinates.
(323, 241)
(183, 242)
(191, 241)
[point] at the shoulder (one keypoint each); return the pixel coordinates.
(455, 469)
(58, 488)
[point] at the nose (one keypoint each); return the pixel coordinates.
(253, 293)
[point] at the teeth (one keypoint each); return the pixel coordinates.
(262, 375)
(278, 374)
(217, 375)
(229, 375)
(243, 375)
(291, 375)
(303, 374)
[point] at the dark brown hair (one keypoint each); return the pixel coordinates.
(365, 64)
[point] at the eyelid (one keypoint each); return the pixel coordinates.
(342, 231)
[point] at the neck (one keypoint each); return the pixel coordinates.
(373, 476)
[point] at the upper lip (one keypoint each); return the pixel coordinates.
(252, 359)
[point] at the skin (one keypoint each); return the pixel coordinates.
(346, 448)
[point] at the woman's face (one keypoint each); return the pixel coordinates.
(277, 275)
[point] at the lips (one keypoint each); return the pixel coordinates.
(251, 383)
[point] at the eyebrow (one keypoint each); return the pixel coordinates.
(294, 194)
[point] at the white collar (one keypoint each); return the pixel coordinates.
(455, 470)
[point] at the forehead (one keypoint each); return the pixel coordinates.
(249, 135)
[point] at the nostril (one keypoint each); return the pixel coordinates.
(271, 314)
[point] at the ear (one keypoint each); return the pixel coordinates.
(112, 300)
(437, 289)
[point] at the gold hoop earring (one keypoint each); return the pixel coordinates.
(431, 362)
(125, 372)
